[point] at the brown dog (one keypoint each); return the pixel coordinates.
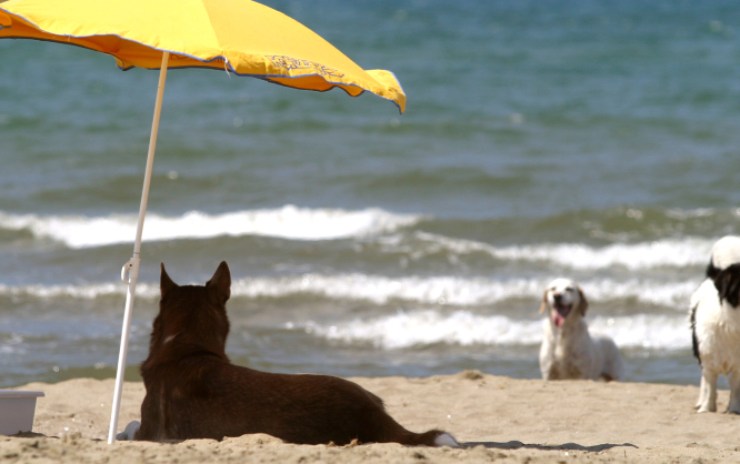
(193, 391)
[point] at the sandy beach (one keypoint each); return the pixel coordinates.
(498, 419)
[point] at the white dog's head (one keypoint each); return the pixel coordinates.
(725, 253)
(563, 298)
(724, 269)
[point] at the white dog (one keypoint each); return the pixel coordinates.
(715, 325)
(568, 351)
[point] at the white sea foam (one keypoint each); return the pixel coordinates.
(428, 327)
(286, 222)
(78, 291)
(437, 325)
(295, 223)
(673, 253)
(440, 290)
(668, 253)
(459, 291)
(381, 289)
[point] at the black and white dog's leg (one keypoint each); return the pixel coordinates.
(707, 392)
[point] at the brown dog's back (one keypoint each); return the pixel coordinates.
(193, 391)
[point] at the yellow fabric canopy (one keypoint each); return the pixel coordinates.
(241, 36)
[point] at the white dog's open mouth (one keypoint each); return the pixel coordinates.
(560, 313)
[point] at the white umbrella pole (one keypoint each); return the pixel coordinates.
(130, 271)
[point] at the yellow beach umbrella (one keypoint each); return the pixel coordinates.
(236, 36)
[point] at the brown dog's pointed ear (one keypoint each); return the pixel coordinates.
(583, 302)
(543, 305)
(220, 283)
(165, 283)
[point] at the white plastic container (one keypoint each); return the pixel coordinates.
(17, 408)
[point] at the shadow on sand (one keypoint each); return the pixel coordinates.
(512, 445)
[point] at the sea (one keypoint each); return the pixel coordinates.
(589, 139)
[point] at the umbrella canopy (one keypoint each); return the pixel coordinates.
(240, 36)
(236, 36)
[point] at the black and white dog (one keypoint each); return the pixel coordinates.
(715, 325)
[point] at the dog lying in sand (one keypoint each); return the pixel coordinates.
(715, 325)
(568, 351)
(193, 390)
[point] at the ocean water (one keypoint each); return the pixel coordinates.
(587, 139)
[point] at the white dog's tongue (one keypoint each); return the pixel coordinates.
(559, 315)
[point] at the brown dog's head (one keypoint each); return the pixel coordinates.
(192, 317)
(563, 298)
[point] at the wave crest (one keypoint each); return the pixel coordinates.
(428, 327)
(286, 222)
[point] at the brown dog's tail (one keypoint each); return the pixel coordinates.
(384, 429)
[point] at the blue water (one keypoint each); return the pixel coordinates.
(590, 139)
